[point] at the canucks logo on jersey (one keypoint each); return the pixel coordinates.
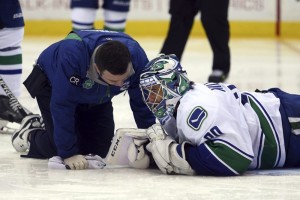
(197, 117)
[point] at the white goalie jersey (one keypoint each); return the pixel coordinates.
(240, 129)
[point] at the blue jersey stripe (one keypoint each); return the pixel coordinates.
(205, 163)
(11, 72)
(261, 141)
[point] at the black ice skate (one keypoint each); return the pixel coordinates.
(217, 76)
(7, 112)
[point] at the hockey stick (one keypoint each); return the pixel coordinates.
(14, 103)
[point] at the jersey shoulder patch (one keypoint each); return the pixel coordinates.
(197, 110)
(197, 117)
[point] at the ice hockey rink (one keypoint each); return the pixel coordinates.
(256, 63)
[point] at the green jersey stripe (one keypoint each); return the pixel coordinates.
(270, 148)
(295, 125)
(236, 161)
(11, 60)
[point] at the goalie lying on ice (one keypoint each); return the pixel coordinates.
(215, 128)
(128, 150)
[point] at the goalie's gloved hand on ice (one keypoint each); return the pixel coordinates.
(156, 132)
(94, 162)
(170, 156)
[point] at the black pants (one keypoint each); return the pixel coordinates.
(214, 18)
(94, 123)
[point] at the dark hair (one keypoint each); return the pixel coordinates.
(113, 56)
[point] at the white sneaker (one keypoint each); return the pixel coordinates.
(20, 137)
(7, 127)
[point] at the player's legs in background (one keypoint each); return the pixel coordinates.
(214, 18)
(115, 14)
(83, 13)
(182, 18)
(11, 58)
(11, 36)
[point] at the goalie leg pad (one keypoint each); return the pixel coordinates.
(127, 149)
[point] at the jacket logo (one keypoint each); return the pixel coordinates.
(75, 80)
(196, 118)
(88, 84)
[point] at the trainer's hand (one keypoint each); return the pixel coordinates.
(76, 162)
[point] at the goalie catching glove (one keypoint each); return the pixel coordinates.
(170, 157)
(167, 154)
(156, 132)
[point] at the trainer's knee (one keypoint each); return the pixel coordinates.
(41, 146)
